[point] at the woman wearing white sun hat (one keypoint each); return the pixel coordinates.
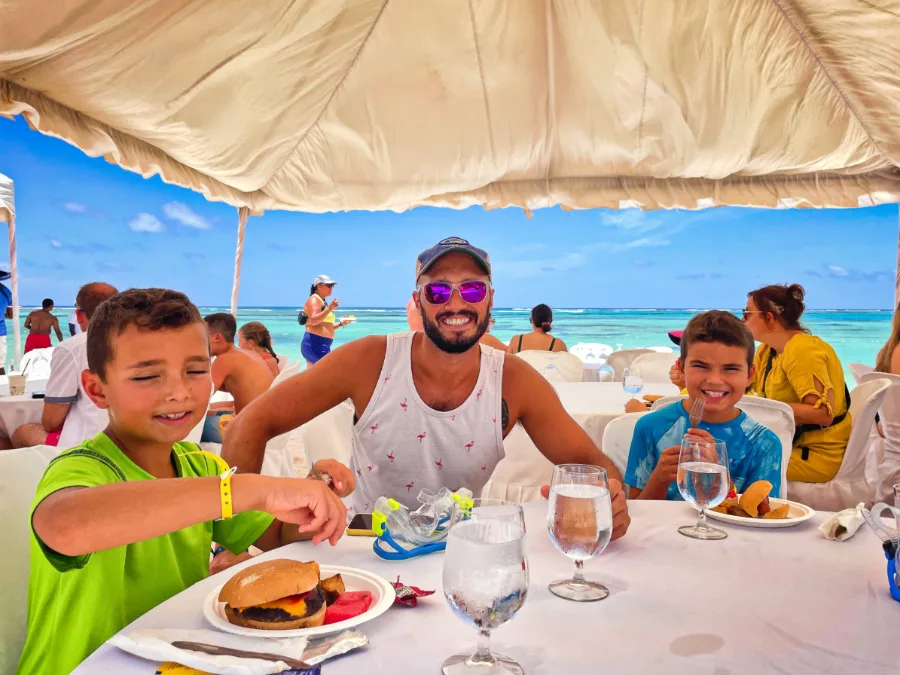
(319, 319)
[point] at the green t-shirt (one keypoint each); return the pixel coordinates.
(77, 603)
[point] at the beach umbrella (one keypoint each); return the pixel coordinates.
(8, 215)
(325, 106)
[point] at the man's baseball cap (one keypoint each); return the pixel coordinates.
(430, 256)
(324, 279)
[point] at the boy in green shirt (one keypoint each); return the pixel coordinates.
(125, 521)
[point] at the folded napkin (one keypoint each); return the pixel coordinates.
(844, 524)
(156, 645)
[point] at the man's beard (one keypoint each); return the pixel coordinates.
(461, 344)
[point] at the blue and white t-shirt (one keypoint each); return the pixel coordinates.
(754, 451)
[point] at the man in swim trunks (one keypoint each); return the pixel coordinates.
(321, 322)
(241, 373)
(432, 408)
(39, 322)
(69, 417)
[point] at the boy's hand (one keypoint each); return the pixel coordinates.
(634, 406)
(708, 452)
(342, 481)
(621, 519)
(227, 559)
(309, 504)
(666, 471)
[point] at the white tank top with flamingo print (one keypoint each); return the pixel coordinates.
(400, 445)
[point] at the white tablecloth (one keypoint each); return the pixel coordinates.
(760, 602)
(18, 410)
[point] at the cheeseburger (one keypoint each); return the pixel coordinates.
(275, 595)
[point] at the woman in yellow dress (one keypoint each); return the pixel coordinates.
(802, 370)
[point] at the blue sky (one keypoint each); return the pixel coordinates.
(82, 219)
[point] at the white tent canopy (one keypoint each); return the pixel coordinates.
(8, 215)
(374, 104)
(328, 105)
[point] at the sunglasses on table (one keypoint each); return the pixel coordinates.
(440, 292)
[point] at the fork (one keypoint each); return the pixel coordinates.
(696, 413)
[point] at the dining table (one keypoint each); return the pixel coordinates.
(23, 409)
(761, 602)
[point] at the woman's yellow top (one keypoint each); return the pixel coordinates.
(806, 361)
(330, 318)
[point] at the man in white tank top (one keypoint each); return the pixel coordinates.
(432, 407)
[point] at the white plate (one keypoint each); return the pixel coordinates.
(799, 513)
(383, 595)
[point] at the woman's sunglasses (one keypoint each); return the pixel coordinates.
(440, 292)
(747, 312)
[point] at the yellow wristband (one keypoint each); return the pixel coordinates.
(225, 494)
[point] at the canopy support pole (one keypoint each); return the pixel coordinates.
(14, 276)
(243, 212)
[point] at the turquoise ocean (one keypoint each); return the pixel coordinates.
(855, 335)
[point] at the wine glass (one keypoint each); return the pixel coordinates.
(703, 482)
(485, 577)
(579, 518)
(633, 383)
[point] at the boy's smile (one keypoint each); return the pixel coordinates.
(718, 374)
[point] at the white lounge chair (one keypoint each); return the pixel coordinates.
(859, 370)
(521, 473)
(883, 465)
(622, 359)
(591, 352)
(655, 366)
(617, 439)
(554, 366)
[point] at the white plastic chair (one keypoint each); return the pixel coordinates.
(622, 359)
(35, 365)
(20, 472)
(655, 367)
(774, 415)
(859, 370)
(283, 361)
(617, 439)
(662, 350)
(849, 487)
(883, 464)
(554, 366)
(591, 352)
(518, 477)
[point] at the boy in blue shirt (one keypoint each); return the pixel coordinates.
(717, 364)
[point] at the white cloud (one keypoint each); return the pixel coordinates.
(184, 215)
(75, 207)
(56, 243)
(528, 268)
(838, 271)
(144, 222)
(643, 242)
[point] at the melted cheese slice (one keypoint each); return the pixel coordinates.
(292, 604)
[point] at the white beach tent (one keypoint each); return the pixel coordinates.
(330, 105)
(8, 215)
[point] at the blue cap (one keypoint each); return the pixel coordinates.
(430, 256)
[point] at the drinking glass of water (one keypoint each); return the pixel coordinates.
(579, 517)
(633, 383)
(703, 482)
(485, 578)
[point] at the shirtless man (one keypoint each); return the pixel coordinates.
(432, 408)
(243, 374)
(39, 322)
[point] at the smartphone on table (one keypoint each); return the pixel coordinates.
(361, 525)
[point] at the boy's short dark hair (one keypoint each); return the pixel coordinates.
(223, 323)
(47, 303)
(148, 309)
(718, 326)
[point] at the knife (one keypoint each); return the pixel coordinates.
(228, 651)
